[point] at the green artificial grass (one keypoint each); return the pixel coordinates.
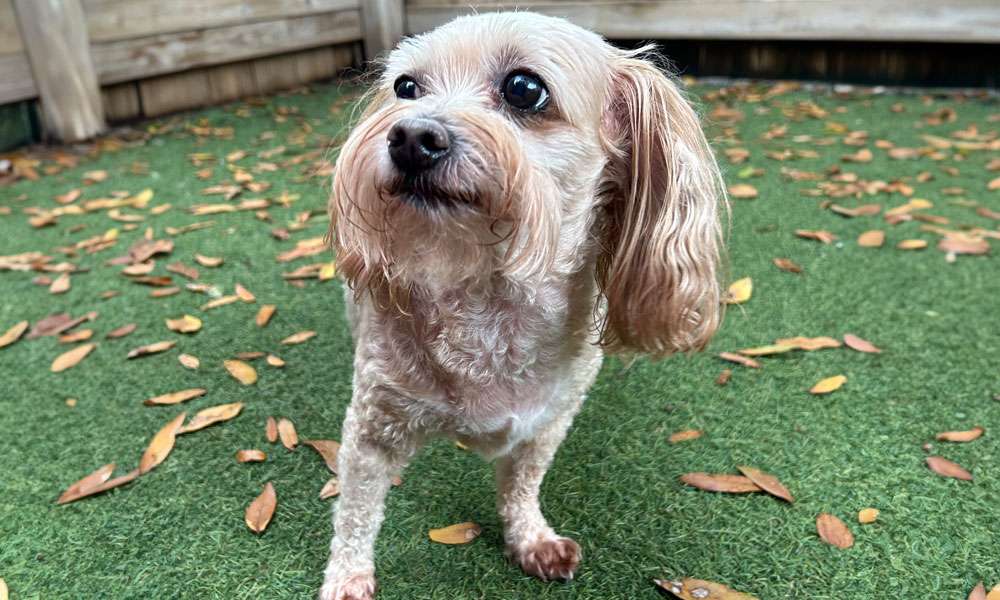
(178, 532)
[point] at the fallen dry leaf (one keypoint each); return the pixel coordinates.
(330, 489)
(724, 377)
(287, 433)
(861, 156)
(73, 337)
(82, 487)
(912, 245)
(208, 261)
(767, 350)
(298, 338)
(960, 436)
(740, 359)
(978, 592)
(963, 245)
(328, 449)
(865, 210)
(185, 324)
(121, 331)
(684, 436)
(275, 361)
(809, 344)
(819, 235)
(245, 456)
(946, 468)
(867, 516)
(740, 291)
(742, 191)
(189, 362)
(264, 314)
(855, 343)
(460, 533)
(830, 384)
(833, 531)
(71, 358)
(224, 300)
(700, 589)
(994, 593)
(175, 397)
(260, 511)
(4, 592)
(786, 264)
(211, 416)
(872, 239)
(61, 284)
(13, 334)
(720, 482)
(99, 488)
(244, 294)
(767, 482)
(161, 445)
(242, 371)
(151, 349)
(271, 430)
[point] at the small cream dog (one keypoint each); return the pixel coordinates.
(519, 198)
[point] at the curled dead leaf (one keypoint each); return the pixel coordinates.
(13, 334)
(328, 449)
(685, 435)
(264, 314)
(287, 433)
(740, 291)
(121, 332)
(161, 445)
(330, 489)
(699, 589)
(298, 338)
(208, 261)
(211, 416)
(241, 371)
(946, 468)
(833, 531)
(960, 436)
(185, 324)
(787, 264)
(71, 358)
(259, 512)
(720, 482)
(739, 359)
(767, 482)
(867, 516)
(254, 455)
(855, 343)
(97, 485)
(828, 385)
(151, 349)
(460, 533)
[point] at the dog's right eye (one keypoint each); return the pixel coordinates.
(406, 88)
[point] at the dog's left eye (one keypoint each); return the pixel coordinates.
(406, 88)
(525, 91)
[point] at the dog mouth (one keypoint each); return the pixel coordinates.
(424, 192)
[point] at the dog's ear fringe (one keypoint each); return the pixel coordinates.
(661, 259)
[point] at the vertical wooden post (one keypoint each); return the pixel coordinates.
(383, 25)
(54, 34)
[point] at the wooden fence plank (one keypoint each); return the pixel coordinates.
(10, 37)
(171, 93)
(121, 102)
(383, 24)
(16, 80)
(883, 20)
(112, 20)
(143, 57)
(232, 81)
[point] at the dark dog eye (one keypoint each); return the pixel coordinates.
(525, 91)
(406, 88)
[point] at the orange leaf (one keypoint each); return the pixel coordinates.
(298, 338)
(99, 488)
(871, 239)
(242, 371)
(328, 449)
(912, 245)
(742, 191)
(121, 331)
(767, 482)
(960, 436)
(330, 489)
(786, 264)
(833, 531)
(729, 484)
(978, 592)
(699, 589)
(254, 455)
(855, 343)
(271, 430)
(161, 445)
(264, 314)
(830, 384)
(13, 334)
(71, 358)
(684, 436)
(867, 515)
(150, 349)
(947, 468)
(461, 533)
(286, 431)
(211, 416)
(80, 488)
(260, 511)
(185, 324)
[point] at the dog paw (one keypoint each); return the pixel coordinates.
(549, 558)
(352, 587)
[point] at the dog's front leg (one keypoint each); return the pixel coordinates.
(373, 450)
(529, 539)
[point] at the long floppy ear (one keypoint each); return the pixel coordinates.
(662, 241)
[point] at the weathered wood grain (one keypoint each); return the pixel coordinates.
(10, 37)
(167, 53)
(882, 20)
(121, 102)
(111, 20)
(16, 80)
(383, 25)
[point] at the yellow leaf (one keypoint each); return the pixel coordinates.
(175, 397)
(912, 245)
(185, 324)
(768, 350)
(684, 436)
(461, 533)
(264, 314)
(161, 445)
(211, 416)
(742, 191)
(298, 338)
(327, 271)
(71, 358)
(740, 291)
(867, 515)
(13, 334)
(243, 372)
(260, 511)
(830, 384)
(871, 239)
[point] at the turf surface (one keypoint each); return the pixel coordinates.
(178, 532)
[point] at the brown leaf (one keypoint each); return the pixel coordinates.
(298, 338)
(242, 371)
(786, 264)
(699, 589)
(264, 314)
(250, 355)
(271, 430)
(685, 435)
(865, 210)
(819, 235)
(164, 292)
(328, 449)
(867, 516)
(100, 488)
(742, 191)
(208, 261)
(724, 377)
(137, 269)
(161, 445)
(721, 482)
(244, 294)
(148, 349)
(828, 385)
(57, 323)
(224, 300)
(872, 239)
(121, 331)
(189, 362)
(964, 245)
(185, 324)
(855, 343)
(81, 488)
(13, 334)
(245, 456)
(740, 359)
(60, 285)
(960, 436)
(767, 482)
(71, 358)
(182, 269)
(978, 592)
(330, 489)
(73, 337)
(286, 431)
(260, 511)
(861, 156)
(946, 468)
(460, 533)
(175, 397)
(211, 416)
(833, 531)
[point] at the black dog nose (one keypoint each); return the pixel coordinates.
(417, 144)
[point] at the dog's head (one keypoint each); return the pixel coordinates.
(518, 146)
